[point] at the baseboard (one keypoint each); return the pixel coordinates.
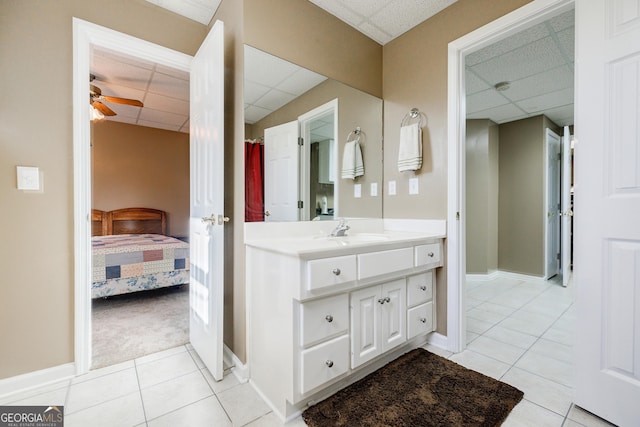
(504, 275)
(35, 379)
(239, 369)
(483, 277)
(438, 340)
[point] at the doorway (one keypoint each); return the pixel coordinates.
(525, 17)
(208, 327)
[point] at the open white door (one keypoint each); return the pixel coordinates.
(607, 208)
(552, 251)
(281, 172)
(206, 231)
(567, 208)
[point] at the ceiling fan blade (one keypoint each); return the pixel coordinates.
(126, 101)
(103, 108)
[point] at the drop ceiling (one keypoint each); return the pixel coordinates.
(537, 63)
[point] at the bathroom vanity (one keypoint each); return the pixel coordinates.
(325, 311)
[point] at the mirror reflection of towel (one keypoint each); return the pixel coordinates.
(410, 149)
(352, 165)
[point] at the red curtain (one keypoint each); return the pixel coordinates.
(254, 182)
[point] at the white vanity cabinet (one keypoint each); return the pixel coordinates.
(319, 320)
(378, 320)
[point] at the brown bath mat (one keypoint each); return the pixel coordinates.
(418, 389)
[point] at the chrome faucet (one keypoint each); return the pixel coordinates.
(340, 229)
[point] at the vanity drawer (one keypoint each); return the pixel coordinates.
(429, 254)
(420, 320)
(419, 288)
(323, 362)
(323, 318)
(326, 272)
(384, 262)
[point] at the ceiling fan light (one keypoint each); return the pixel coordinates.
(95, 114)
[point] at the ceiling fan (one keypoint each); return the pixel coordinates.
(96, 97)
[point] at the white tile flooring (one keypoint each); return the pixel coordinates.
(518, 331)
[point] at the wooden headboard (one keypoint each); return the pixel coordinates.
(129, 221)
(98, 222)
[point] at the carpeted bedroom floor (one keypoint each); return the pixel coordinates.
(125, 327)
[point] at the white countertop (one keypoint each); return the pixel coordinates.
(322, 245)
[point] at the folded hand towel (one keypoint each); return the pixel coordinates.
(410, 149)
(352, 165)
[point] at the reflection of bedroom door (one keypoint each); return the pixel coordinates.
(206, 222)
(552, 244)
(281, 169)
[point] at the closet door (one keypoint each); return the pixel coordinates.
(281, 171)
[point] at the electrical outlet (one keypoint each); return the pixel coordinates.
(357, 191)
(413, 186)
(392, 188)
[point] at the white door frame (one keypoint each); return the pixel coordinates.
(548, 185)
(305, 154)
(530, 14)
(85, 36)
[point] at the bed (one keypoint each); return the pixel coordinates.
(131, 252)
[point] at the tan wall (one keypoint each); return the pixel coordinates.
(415, 75)
(482, 196)
(136, 166)
(36, 256)
(521, 229)
(355, 108)
(304, 34)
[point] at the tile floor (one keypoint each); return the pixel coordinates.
(519, 332)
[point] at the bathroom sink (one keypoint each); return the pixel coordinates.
(354, 238)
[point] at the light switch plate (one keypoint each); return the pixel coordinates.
(357, 191)
(413, 186)
(28, 178)
(392, 188)
(374, 189)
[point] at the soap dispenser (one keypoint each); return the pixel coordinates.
(324, 208)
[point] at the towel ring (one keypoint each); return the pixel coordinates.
(355, 132)
(414, 114)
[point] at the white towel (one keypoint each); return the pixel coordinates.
(352, 165)
(410, 150)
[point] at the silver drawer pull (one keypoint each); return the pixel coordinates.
(328, 318)
(423, 288)
(329, 363)
(430, 254)
(423, 320)
(336, 271)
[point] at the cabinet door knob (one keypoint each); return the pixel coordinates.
(329, 363)
(423, 288)
(430, 254)
(329, 318)
(423, 320)
(381, 300)
(336, 271)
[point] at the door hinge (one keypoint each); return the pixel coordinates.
(458, 216)
(300, 204)
(559, 156)
(300, 141)
(558, 256)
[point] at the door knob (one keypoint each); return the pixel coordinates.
(209, 219)
(267, 213)
(222, 219)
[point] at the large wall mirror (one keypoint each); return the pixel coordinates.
(286, 181)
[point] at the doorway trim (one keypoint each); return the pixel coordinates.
(86, 36)
(530, 14)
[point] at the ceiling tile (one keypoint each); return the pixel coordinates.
(349, 13)
(517, 64)
(300, 82)
(109, 89)
(399, 16)
(542, 103)
(548, 81)
(147, 114)
(563, 21)
(198, 10)
(501, 114)
(165, 103)
(268, 70)
(120, 73)
(474, 84)
(274, 99)
(179, 74)
(254, 91)
(562, 116)
(169, 86)
(484, 100)
(567, 42)
(159, 125)
(503, 46)
(375, 32)
(253, 113)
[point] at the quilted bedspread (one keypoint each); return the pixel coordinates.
(130, 262)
